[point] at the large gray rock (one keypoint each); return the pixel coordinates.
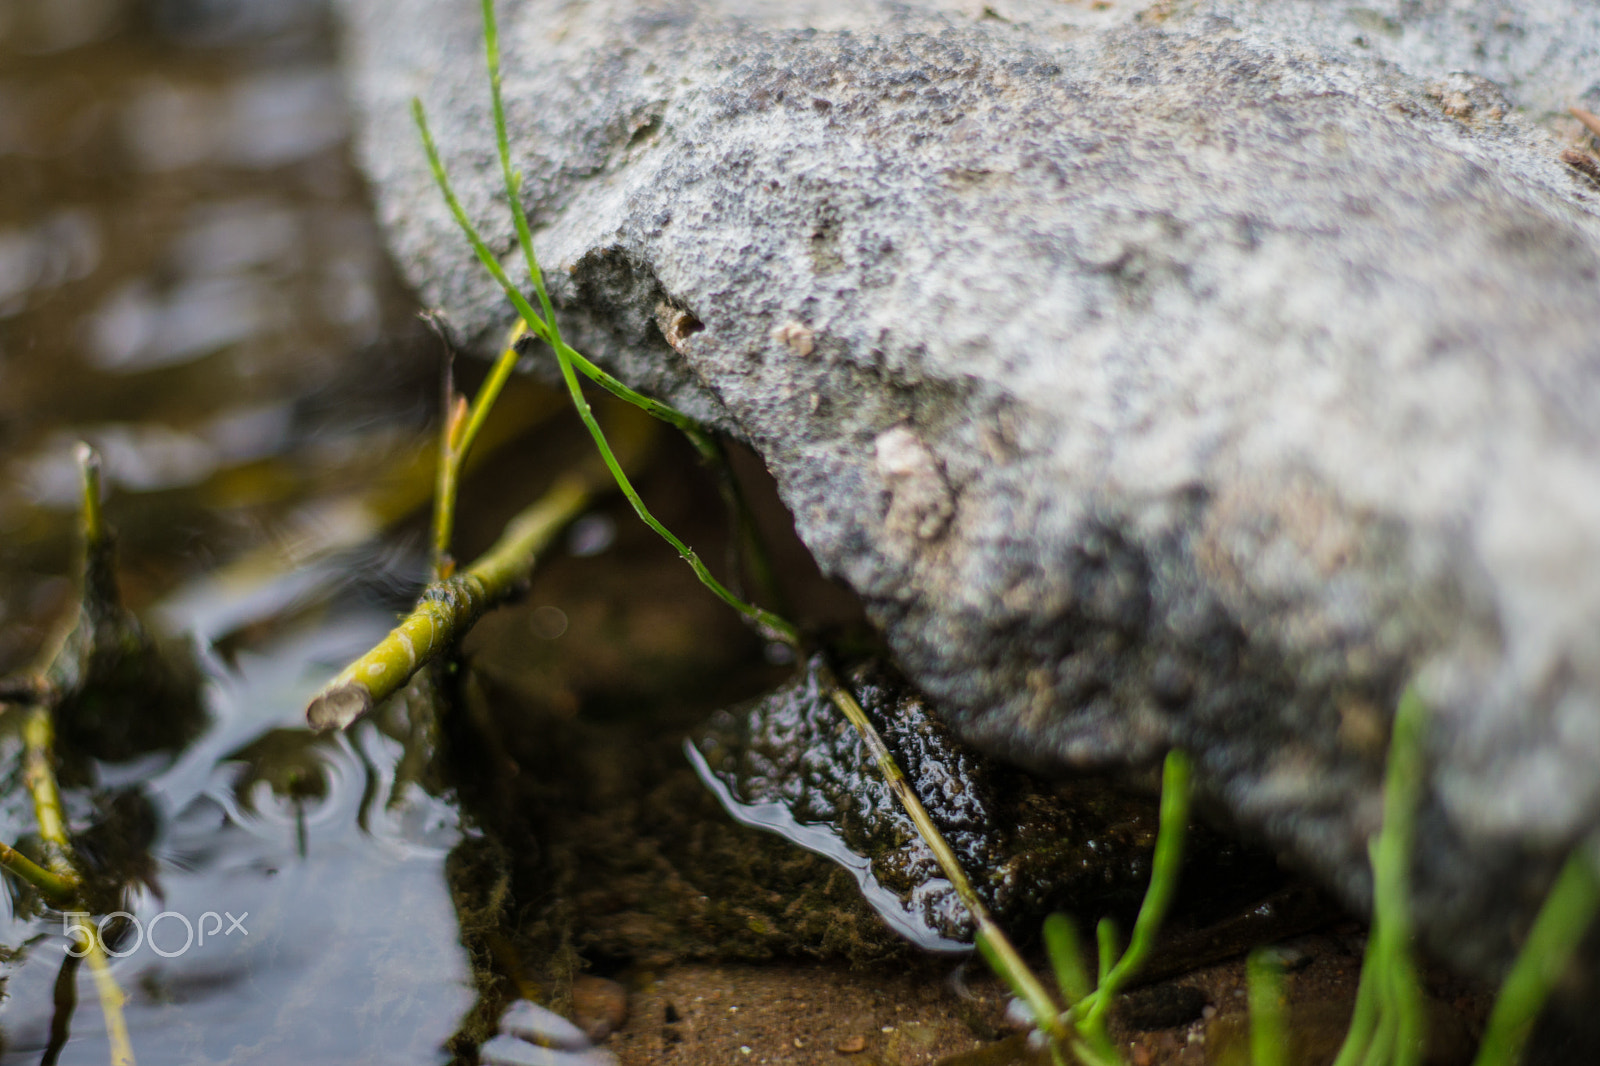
(1161, 374)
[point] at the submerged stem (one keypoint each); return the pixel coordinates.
(112, 1000)
(57, 889)
(38, 739)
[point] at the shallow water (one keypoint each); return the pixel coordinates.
(307, 924)
(190, 279)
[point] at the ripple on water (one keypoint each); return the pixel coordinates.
(297, 905)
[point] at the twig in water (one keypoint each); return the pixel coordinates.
(57, 889)
(448, 609)
(112, 1000)
(39, 776)
(101, 611)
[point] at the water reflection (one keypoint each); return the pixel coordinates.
(346, 947)
(189, 277)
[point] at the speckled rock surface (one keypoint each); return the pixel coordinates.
(1159, 373)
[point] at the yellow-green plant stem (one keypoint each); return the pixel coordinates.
(449, 608)
(1269, 1030)
(38, 737)
(456, 438)
(38, 741)
(93, 517)
(112, 1001)
(101, 596)
(996, 948)
(1388, 1025)
(1567, 913)
(55, 888)
(567, 359)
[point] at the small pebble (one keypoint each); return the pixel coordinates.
(744, 1049)
(1294, 959)
(599, 1006)
(851, 1045)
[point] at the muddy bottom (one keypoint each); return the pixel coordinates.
(956, 1014)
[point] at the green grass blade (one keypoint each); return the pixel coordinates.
(1364, 1020)
(1164, 870)
(1566, 914)
(1269, 1028)
(546, 328)
(1389, 1027)
(770, 623)
(1066, 958)
(1105, 939)
(485, 256)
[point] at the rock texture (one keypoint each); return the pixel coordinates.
(1158, 372)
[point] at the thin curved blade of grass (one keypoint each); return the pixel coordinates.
(1566, 915)
(1165, 866)
(775, 627)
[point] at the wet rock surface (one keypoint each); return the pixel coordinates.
(791, 764)
(1158, 373)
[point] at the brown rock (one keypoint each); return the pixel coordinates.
(599, 1006)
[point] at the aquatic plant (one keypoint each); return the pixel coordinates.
(104, 633)
(1389, 1023)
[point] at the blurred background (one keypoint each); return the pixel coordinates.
(190, 279)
